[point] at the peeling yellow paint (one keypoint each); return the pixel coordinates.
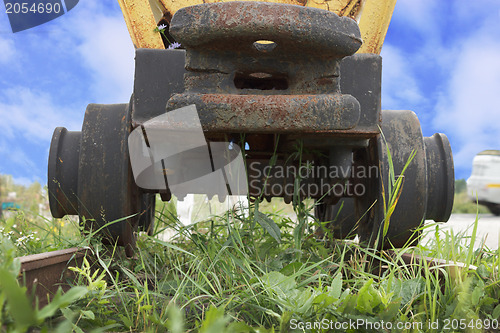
(141, 24)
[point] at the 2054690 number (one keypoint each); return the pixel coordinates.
(461, 324)
(36, 8)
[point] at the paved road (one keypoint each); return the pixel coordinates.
(488, 227)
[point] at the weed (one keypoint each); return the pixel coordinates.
(255, 272)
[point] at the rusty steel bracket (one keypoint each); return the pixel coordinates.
(264, 67)
(159, 74)
(44, 273)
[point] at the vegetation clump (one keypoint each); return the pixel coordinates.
(257, 270)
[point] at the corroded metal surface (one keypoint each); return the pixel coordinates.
(46, 272)
(427, 188)
(159, 74)
(90, 176)
(272, 113)
(269, 77)
(417, 200)
(236, 25)
(402, 136)
(106, 188)
(241, 84)
(372, 16)
(440, 183)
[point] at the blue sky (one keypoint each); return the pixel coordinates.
(441, 60)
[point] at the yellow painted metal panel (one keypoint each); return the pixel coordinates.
(374, 23)
(373, 17)
(141, 24)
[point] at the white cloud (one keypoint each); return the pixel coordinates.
(400, 89)
(107, 51)
(24, 181)
(18, 157)
(15, 161)
(419, 14)
(469, 106)
(7, 51)
(477, 10)
(452, 56)
(32, 115)
(95, 37)
(28, 121)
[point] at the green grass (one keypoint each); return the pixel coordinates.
(229, 274)
(463, 204)
(255, 272)
(31, 233)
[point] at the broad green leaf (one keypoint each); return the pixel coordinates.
(108, 328)
(65, 326)
(19, 304)
(368, 298)
(320, 298)
(61, 301)
(483, 271)
(72, 295)
(292, 268)
(68, 313)
(276, 280)
(269, 225)
(496, 312)
(391, 311)
(215, 321)
(476, 295)
(336, 286)
(304, 300)
(175, 323)
(411, 289)
(365, 299)
(88, 314)
(239, 327)
(126, 321)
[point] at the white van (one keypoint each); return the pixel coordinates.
(484, 182)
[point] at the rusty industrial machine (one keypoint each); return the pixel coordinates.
(296, 87)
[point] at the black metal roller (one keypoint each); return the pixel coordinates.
(63, 172)
(403, 135)
(106, 188)
(427, 191)
(418, 201)
(440, 185)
